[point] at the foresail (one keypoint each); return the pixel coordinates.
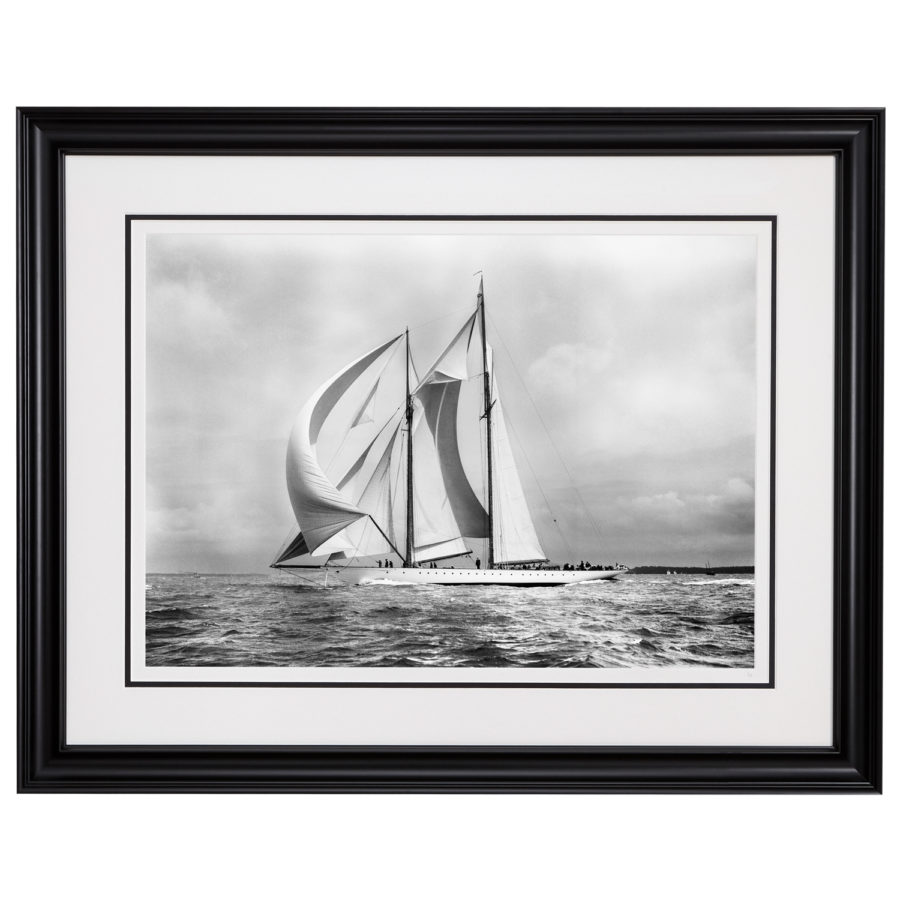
(439, 394)
(515, 538)
(437, 534)
(452, 364)
(440, 403)
(321, 509)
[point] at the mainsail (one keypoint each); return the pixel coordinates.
(515, 538)
(437, 533)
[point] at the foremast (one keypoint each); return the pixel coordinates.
(488, 405)
(409, 559)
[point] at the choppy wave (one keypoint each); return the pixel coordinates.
(717, 581)
(278, 620)
(187, 613)
(377, 582)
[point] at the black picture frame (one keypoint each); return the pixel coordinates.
(852, 763)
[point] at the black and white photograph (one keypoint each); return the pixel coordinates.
(505, 447)
(451, 450)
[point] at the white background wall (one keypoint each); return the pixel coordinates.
(462, 53)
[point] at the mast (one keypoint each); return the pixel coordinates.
(487, 418)
(410, 525)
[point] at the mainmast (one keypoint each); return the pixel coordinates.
(410, 526)
(487, 417)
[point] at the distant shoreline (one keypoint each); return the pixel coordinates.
(693, 570)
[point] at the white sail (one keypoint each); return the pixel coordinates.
(453, 363)
(352, 485)
(363, 537)
(320, 508)
(439, 394)
(515, 539)
(338, 546)
(437, 534)
(364, 514)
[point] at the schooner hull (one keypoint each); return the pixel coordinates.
(471, 577)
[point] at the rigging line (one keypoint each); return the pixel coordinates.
(356, 548)
(390, 542)
(547, 431)
(455, 311)
(302, 578)
(396, 481)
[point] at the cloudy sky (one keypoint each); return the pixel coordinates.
(626, 363)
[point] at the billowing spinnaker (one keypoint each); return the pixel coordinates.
(320, 508)
(515, 539)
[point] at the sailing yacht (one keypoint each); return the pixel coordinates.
(407, 493)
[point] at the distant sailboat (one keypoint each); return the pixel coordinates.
(407, 493)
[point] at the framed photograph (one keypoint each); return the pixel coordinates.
(450, 450)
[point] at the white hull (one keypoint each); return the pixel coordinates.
(509, 577)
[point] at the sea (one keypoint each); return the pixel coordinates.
(281, 620)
